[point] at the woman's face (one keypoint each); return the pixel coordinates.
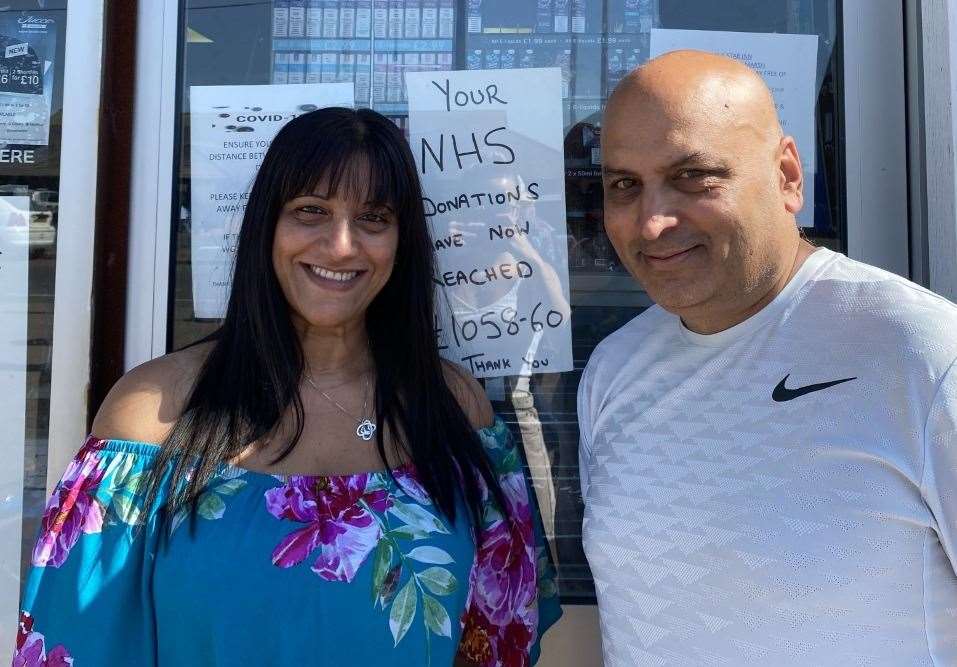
(333, 253)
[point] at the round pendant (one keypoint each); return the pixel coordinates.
(365, 430)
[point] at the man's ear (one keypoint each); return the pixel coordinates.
(790, 175)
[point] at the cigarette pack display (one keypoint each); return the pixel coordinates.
(379, 76)
(297, 68)
(473, 16)
(578, 16)
(508, 59)
(363, 19)
(396, 18)
(410, 63)
(632, 16)
(561, 15)
(363, 78)
(543, 16)
(313, 67)
(393, 82)
(493, 59)
(474, 59)
(430, 19)
(280, 67)
(330, 62)
(429, 62)
(446, 19)
(347, 19)
(314, 18)
(280, 18)
(347, 68)
(330, 19)
(616, 68)
(297, 18)
(527, 60)
(413, 19)
(445, 61)
(563, 61)
(380, 19)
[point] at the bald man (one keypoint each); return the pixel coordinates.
(769, 454)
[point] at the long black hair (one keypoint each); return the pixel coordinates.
(252, 374)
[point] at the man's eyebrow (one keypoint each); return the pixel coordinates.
(700, 159)
(615, 171)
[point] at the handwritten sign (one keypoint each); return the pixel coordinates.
(488, 146)
(231, 127)
(788, 64)
(14, 248)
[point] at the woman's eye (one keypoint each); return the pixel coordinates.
(310, 209)
(375, 219)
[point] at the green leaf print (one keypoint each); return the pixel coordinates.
(380, 568)
(407, 533)
(403, 611)
(389, 585)
(436, 618)
(211, 506)
(438, 580)
(418, 517)
(126, 509)
(430, 555)
(231, 487)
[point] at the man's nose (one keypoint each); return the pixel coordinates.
(656, 216)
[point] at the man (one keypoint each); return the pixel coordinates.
(769, 454)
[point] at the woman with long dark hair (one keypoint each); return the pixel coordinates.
(311, 484)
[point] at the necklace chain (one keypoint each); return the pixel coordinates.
(365, 427)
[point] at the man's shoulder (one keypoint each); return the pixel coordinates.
(622, 344)
(867, 306)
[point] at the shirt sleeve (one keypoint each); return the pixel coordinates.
(87, 599)
(513, 596)
(939, 483)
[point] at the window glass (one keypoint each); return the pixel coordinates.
(373, 43)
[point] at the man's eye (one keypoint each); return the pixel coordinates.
(692, 173)
(623, 184)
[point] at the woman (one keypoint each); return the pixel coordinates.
(255, 533)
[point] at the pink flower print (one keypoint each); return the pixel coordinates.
(502, 619)
(73, 508)
(31, 650)
(337, 524)
(407, 481)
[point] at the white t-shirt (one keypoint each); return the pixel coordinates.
(733, 517)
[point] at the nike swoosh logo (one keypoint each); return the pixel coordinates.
(782, 394)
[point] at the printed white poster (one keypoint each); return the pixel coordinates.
(488, 146)
(27, 49)
(14, 253)
(231, 127)
(788, 64)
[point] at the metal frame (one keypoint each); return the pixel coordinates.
(73, 288)
(935, 115)
(151, 196)
(875, 119)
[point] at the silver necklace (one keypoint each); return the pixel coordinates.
(365, 427)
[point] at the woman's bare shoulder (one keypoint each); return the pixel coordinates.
(145, 403)
(469, 393)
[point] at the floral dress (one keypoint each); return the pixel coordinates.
(356, 569)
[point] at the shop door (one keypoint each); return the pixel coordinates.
(48, 154)
(845, 87)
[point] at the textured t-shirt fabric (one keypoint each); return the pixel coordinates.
(743, 507)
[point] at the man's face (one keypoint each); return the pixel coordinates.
(694, 202)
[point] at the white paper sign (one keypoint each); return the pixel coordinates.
(231, 127)
(14, 249)
(488, 145)
(788, 64)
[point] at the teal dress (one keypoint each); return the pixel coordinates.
(341, 570)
